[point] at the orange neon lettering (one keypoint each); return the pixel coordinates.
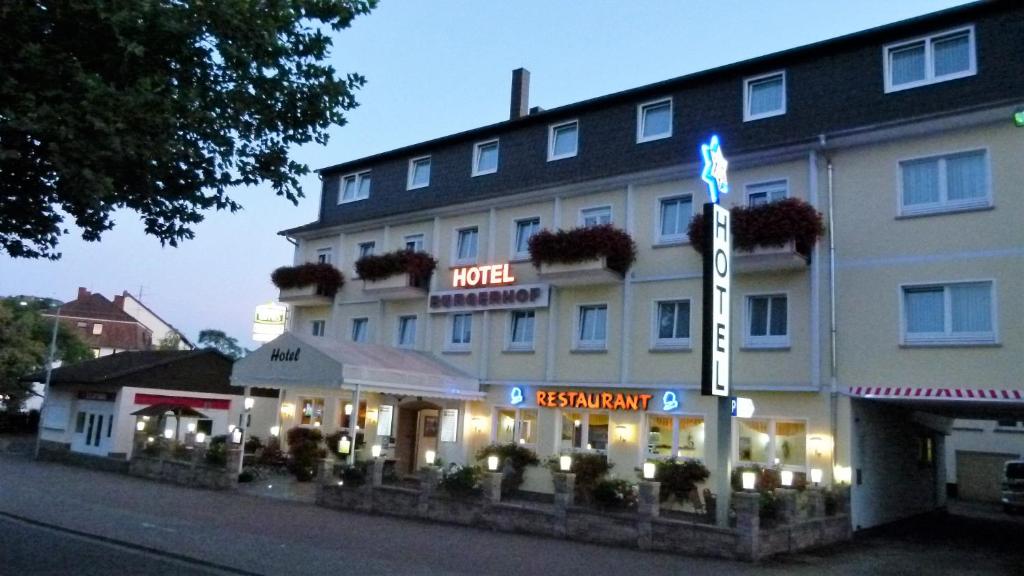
(620, 403)
(562, 400)
(606, 400)
(540, 398)
(594, 401)
(632, 401)
(644, 398)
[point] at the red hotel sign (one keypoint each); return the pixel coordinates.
(592, 400)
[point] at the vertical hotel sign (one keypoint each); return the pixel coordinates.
(717, 274)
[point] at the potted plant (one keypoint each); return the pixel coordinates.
(396, 270)
(326, 279)
(604, 244)
(774, 224)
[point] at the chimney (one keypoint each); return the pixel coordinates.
(119, 301)
(82, 293)
(520, 93)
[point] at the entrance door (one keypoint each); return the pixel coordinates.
(94, 428)
(427, 427)
(418, 430)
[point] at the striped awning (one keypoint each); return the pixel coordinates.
(989, 394)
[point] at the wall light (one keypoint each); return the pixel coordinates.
(492, 463)
(565, 463)
(817, 444)
(150, 439)
(478, 424)
(145, 418)
(371, 415)
(169, 433)
(236, 436)
(348, 409)
(787, 478)
(191, 427)
(749, 480)
(140, 425)
(275, 431)
(200, 437)
(249, 402)
(344, 445)
(621, 432)
(649, 469)
(816, 476)
(288, 410)
(375, 450)
(231, 428)
(430, 456)
(843, 474)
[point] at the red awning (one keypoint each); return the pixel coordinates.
(190, 401)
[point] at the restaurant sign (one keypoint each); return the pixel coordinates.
(628, 401)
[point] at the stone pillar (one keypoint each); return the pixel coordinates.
(842, 492)
(430, 477)
(377, 472)
(565, 490)
(710, 506)
(650, 498)
(492, 486)
(815, 502)
(234, 464)
(324, 471)
(138, 443)
(748, 524)
(787, 505)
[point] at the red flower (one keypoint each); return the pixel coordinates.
(327, 278)
(772, 224)
(582, 244)
(419, 266)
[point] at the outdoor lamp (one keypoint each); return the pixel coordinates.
(492, 463)
(344, 445)
(200, 437)
(843, 474)
(371, 415)
(816, 476)
(169, 433)
(249, 403)
(478, 424)
(140, 425)
(191, 427)
(275, 430)
(787, 478)
(348, 409)
(231, 428)
(565, 463)
(1018, 118)
(375, 450)
(430, 456)
(288, 409)
(145, 418)
(150, 439)
(236, 436)
(749, 479)
(649, 468)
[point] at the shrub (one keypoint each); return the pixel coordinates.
(582, 244)
(217, 453)
(768, 507)
(180, 451)
(304, 449)
(614, 494)
(589, 469)
(419, 266)
(252, 445)
(771, 224)
(155, 448)
(679, 479)
(460, 480)
(325, 277)
(514, 460)
(246, 476)
(354, 475)
(271, 454)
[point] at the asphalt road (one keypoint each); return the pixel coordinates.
(266, 536)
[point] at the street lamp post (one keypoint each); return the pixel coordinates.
(46, 383)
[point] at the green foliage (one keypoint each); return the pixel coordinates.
(582, 244)
(172, 341)
(325, 277)
(614, 494)
(246, 476)
(159, 107)
(589, 468)
(217, 452)
(222, 343)
(252, 444)
(355, 475)
(768, 507)
(419, 266)
(304, 449)
(180, 451)
(513, 460)
(460, 480)
(24, 346)
(679, 479)
(271, 454)
(155, 448)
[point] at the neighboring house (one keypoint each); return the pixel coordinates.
(160, 329)
(104, 325)
(858, 359)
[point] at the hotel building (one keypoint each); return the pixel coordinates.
(858, 351)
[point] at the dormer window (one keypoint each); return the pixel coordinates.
(354, 187)
(419, 173)
(936, 58)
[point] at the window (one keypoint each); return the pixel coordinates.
(312, 412)
(563, 140)
(521, 330)
(366, 249)
(465, 245)
(461, 333)
(354, 187)
(345, 422)
(584, 431)
(767, 322)
(323, 256)
(674, 218)
(960, 313)
(80, 422)
(406, 337)
(765, 192)
(675, 436)
(97, 329)
(1008, 424)
(764, 96)
(524, 230)
(592, 328)
(654, 121)
(515, 425)
(772, 442)
(449, 425)
(360, 327)
(485, 158)
(936, 58)
(672, 324)
(596, 216)
(414, 242)
(318, 327)
(942, 183)
(419, 173)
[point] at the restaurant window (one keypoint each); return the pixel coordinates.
(346, 415)
(584, 431)
(515, 426)
(385, 417)
(772, 442)
(312, 412)
(675, 436)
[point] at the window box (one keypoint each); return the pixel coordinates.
(773, 236)
(398, 275)
(591, 255)
(308, 284)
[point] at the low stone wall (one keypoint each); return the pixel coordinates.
(183, 473)
(643, 529)
(59, 452)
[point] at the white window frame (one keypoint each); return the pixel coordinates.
(476, 157)
(751, 188)
(929, 59)
(417, 239)
(370, 246)
(675, 449)
(449, 338)
(658, 343)
(516, 426)
(515, 254)
(313, 421)
(318, 328)
(455, 246)
(747, 87)
(586, 446)
(671, 239)
(398, 331)
(772, 448)
(948, 337)
(641, 118)
(583, 213)
(357, 179)
(944, 205)
(578, 344)
(551, 140)
(97, 329)
(352, 332)
(323, 255)
(767, 341)
(412, 170)
(510, 344)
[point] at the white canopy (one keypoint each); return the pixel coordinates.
(294, 361)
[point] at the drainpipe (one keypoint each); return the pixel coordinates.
(833, 362)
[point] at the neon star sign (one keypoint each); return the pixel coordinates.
(716, 167)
